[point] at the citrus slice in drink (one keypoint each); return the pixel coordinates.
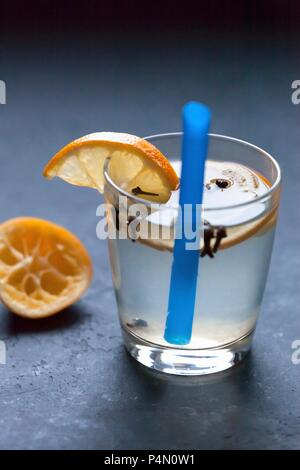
(135, 165)
(44, 268)
(226, 184)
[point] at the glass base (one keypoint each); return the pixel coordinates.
(184, 361)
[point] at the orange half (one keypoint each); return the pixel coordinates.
(44, 268)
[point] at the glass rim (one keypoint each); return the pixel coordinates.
(160, 206)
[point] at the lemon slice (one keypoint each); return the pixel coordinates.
(234, 235)
(44, 268)
(135, 165)
(240, 223)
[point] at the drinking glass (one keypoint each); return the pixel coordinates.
(231, 279)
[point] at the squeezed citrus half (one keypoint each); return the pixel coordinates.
(135, 165)
(44, 268)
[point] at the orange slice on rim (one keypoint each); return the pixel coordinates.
(135, 165)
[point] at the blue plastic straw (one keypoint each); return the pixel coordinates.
(183, 285)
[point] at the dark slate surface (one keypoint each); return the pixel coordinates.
(68, 383)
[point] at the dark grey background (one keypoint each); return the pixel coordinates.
(68, 383)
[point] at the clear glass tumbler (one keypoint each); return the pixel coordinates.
(230, 284)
